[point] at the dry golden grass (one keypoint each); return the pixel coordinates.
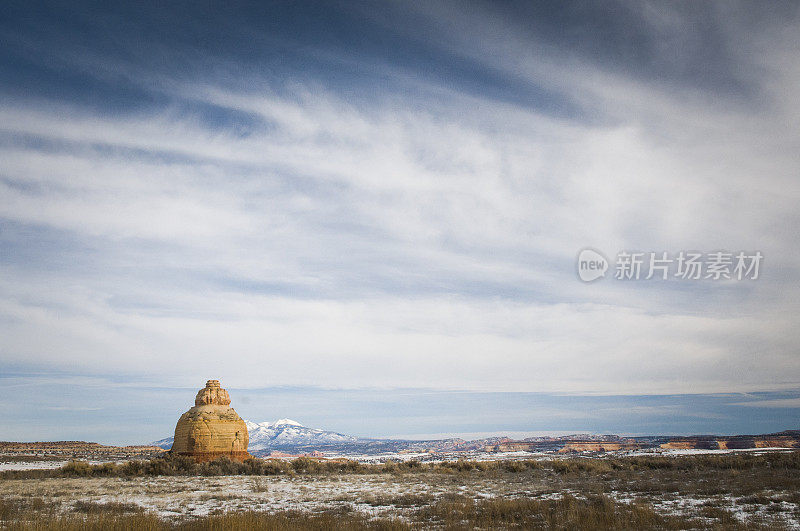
(594, 513)
(571, 493)
(168, 465)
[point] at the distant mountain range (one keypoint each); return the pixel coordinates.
(290, 436)
(286, 435)
(283, 434)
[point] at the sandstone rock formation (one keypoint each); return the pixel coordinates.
(211, 429)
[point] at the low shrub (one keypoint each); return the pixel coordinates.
(582, 466)
(171, 465)
(90, 507)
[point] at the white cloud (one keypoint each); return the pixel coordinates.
(408, 241)
(779, 403)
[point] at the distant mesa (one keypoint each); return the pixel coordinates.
(211, 429)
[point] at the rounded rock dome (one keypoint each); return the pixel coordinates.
(212, 428)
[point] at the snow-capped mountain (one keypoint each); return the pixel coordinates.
(287, 432)
(281, 434)
(166, 444)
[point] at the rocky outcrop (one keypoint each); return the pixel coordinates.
(777, 442)
(211, 429)
(590, 446)
(735, 442)
(79, 450)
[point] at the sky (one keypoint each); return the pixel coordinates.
(366, 215)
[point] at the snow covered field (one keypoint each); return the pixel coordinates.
(374, 495)
(40, 464)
